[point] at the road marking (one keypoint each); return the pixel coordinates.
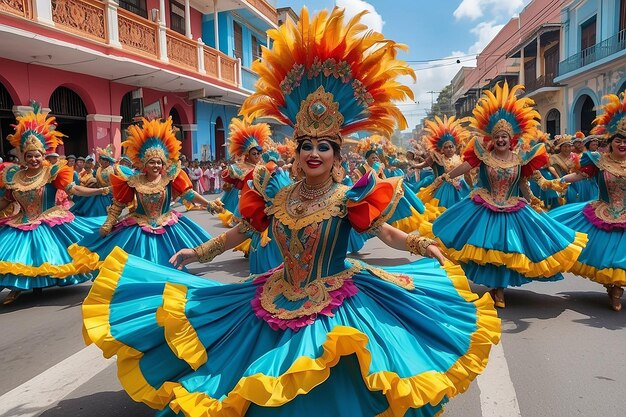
(497, 393)
(51, 386)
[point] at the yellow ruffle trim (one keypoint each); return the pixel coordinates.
(307, 373)
(606, 276)
(83, 257)
(80, 265)
(227, 218)
(411, 223)
(559, 262)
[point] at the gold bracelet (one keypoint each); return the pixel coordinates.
(113, 212)
(105, 190)
(417, 244)
(207, 251)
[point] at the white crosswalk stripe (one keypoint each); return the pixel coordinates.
(497, 393)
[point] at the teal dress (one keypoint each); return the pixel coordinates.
(415, 181)
(34, 241)
(449, 192)
(95, 206)
(604, 258)
(321, 336)
(152, 231)
(497, 237)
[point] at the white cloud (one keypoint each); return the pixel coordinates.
(372, 19)
(474, 9)
(485, 31)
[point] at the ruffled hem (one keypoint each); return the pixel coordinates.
(558, 262)
(606, 276)
(51, 221)
(84, 257)
(80, 266)
(302, 376)
(411, 223)
(227, 218)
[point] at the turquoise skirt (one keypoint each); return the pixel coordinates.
(93, 206)
(514, 247)
(448, 194)
(197, 347)
(583, 191)
(39, 258)
(549, 197)
(604, 257)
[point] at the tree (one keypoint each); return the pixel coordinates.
(443, 106)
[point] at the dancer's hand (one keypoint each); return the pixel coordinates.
(183, 257)
(432, 251)
(103, 231)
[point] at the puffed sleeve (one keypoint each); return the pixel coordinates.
(62, 177)
(372, 201)
(258, 193)
(473, 152)
(122, 192)
(537, 157)
(181, 184)
(589, 163)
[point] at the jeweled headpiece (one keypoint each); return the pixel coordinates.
(245, 136)
(369, 145)
(504, 112)
(560, 140)
(327, 78)
(153, 139)
(613, 121)
(441, 131)
(107, 153)
(35, 131)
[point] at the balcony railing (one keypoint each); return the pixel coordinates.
(266, 9)
(103, 21)
(594, 53)
(541, 82)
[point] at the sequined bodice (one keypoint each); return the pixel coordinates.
(501, 183)
(155, 204)
(36, 201)
(613, 192)
(313, 243)
(562, 165)
(103, 176)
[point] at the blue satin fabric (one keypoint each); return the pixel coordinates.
(410, 332)
(583, 191)
(356, 241)
(93, 206)
(230, 200)
(549, 197)
(263, 258)
(157, 248)
(448, 195)
(605, 249)
(43, 244)
(500, 276)
(426, 178)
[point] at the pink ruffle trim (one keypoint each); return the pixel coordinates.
(479, 200)
(347, 290)
(131, 221)
(590, 213)
(50, 221)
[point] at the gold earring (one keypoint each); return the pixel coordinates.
(337, 173)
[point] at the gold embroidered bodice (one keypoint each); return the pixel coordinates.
(499, 180)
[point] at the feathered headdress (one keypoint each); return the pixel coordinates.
(578, 136)
(288, 149)
(154, 139)
(613, 121)
(327, 78)
(245, 136)
(370, 144)
(107, 153)
(560, 140)
(441, 131)
(503, 111)
(35, 131)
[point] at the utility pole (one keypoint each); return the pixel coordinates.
(432, 97)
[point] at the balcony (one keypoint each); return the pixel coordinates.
(99, 24)
(594, 53)
(534, 84)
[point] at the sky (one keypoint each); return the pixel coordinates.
(438, 32)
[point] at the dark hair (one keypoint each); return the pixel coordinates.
(368, 153)
(334, 145)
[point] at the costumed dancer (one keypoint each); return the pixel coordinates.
(585, 189)
(549, 197)
(498, 239)
(322, 336)
(34, 239)
(563, 160)
(604, 219)
(97, 207)
(416, 178)
(247, 154)
(152, 230)
(442, 138)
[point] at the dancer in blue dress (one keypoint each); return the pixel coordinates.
(323, 336)
(36, 232)
(604, 219)
(152, 229)
(443, 138)
(497, 237)
(98, 206)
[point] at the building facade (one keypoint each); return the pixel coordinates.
(99, 65)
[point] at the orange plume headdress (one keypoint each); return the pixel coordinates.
(503, 111)
(327, 78)
(106, 153)
(613, 121)
(154, 139)
(441, 131)
(245, 136)
(35, 131)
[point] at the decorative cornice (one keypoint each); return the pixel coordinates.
(103, 118)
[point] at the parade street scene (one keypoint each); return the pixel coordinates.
(306, 208)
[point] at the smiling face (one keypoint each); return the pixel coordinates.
(33, 159)
(154, 166)
(618, 148)
(501, 141)
(372, 159)
(104, 163)
(448, 149)
(566, 149)
(593, 145)
(316, 157)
